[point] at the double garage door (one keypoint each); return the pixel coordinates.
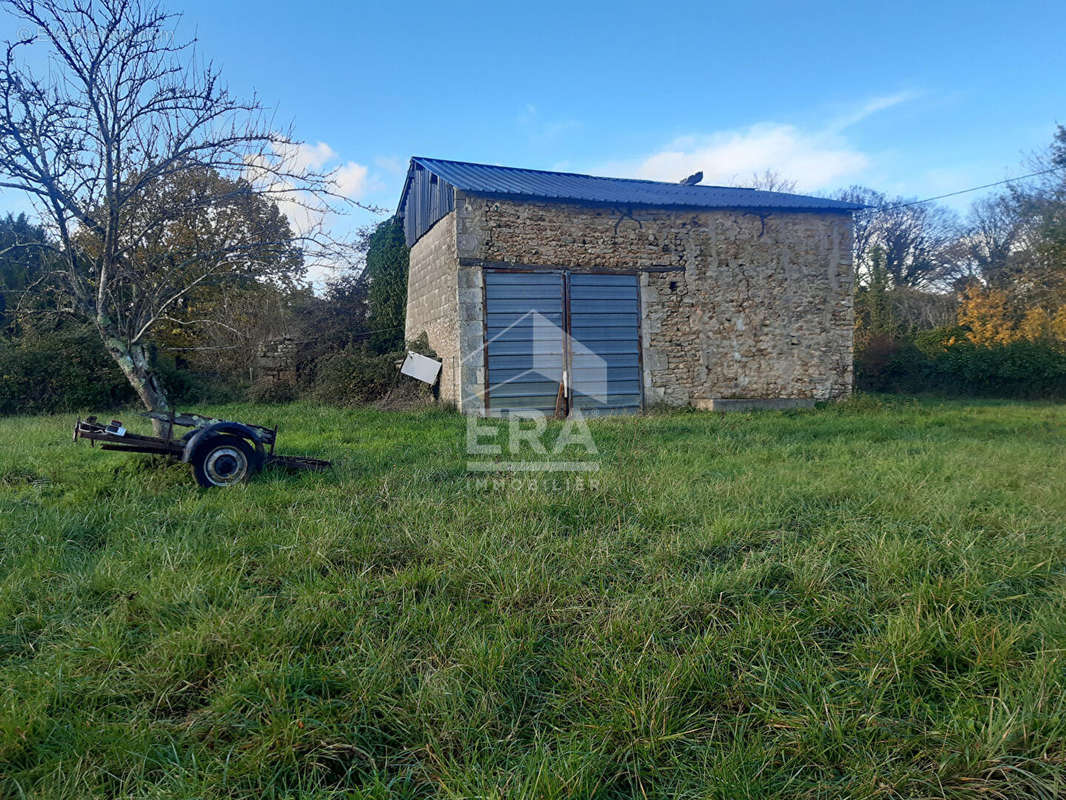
(556, 341)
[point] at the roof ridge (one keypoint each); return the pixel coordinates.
(587, 175)
(555, 185)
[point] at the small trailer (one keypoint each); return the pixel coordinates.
(222, 452)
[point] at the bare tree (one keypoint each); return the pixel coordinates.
(987, 245)
(865, 225)
(123, 108)
(916, 310)
(771, 181)
(914, 238)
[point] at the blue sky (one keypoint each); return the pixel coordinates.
(910, 98)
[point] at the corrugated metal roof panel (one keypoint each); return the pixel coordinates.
(566, 186)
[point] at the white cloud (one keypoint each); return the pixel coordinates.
(815, 159)
(305, 212)
(869, 108)
(351, 180)
(309, 215)
(304, 156)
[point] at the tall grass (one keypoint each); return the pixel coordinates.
(859, 601)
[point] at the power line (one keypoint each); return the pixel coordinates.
(378, 330)
(967, 191)
(359, 335)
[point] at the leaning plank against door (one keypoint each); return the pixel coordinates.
(524, 340)
(605, 346)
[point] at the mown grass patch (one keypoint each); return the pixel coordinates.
(866, 600)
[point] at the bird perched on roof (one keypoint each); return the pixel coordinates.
(693, 179)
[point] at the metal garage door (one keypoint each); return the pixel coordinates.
(605, 346)
(526, 314)
(524, 340)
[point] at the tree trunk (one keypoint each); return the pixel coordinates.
(136, 365)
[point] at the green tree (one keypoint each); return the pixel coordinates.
(237, 256)
(874, 319)
(387, 262)
(878, 306)
(23, 263)
(123, 109)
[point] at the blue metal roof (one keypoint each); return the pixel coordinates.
(568, 186)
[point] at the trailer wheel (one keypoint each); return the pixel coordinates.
(223, 461)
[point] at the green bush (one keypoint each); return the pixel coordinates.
(187, 388)
(69, 370)
(925, 364)
(932, 341)
(1018, 369)
(66, 370)
(268, 391)
(357, 375)
(354, 376)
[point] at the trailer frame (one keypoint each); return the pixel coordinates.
(222, 452)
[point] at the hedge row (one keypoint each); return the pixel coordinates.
(1022, 369)
(63, 371)
(70, 370)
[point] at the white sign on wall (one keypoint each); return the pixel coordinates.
(421, 368)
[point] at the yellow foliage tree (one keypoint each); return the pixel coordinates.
(1036, 325)
(986, 312)
(1058, 324)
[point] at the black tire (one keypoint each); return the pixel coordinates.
(222, 461)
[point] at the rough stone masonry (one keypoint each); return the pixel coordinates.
(738, 308)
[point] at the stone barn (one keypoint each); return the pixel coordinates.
(556, 291)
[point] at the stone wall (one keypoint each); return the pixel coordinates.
(276, 360)
(735, 304)
(669, 338)
(433, 300)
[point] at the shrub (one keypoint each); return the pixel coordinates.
(354, 376)
(939, 361)
(1017, 369)
(68, 370)
(186, 387)
(358, 375)
(934, 341)
(63, 370)
(268, 391)
(875, 364)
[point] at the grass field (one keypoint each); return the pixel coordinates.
(866, 600)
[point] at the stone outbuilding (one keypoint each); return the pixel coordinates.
(556, 291)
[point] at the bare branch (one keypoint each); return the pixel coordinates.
(154, 179)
